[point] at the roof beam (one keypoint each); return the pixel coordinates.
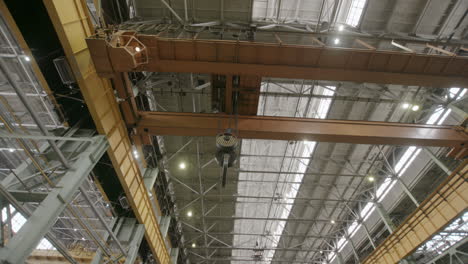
(298, 29)
(28, 197)
(284, 128)
(172, 11)
(269, 248)
(421, 16)
(273, 60)
(260, 234)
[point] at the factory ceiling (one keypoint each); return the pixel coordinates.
(290, 197)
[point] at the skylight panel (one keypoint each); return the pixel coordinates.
(341, 243)
(353, 228)
(384, 188)
(404, 159)
(45, 245)
(355, 12)
(308, 148)
(410, 161)
(367, 211)
(402, 165)
(318, 108)
(454, 91)
(435, 116)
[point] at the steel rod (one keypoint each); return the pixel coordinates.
(35, 117)
(102, 220)
(38, 137)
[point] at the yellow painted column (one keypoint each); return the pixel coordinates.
(73, 25)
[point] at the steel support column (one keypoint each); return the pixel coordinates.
(43, 218)
(407, 191)
(437, 161)
(339, 257)
(353, 247)
(174, 255)
(385, 217)
(101, 219)
(98, 256)
(149, 177)
(462, 114)
(366, 230)
(389, 224)
(165, 223)
(135, 244)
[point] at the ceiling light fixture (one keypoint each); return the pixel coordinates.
(189, 214)
(11, 150)
(26, 58)
(405, 106)
(333, 222)
(337, 41)
(371, 178)
(182, 166)
(340, 28)
(137, 49)
(194, 245)
(415, 108)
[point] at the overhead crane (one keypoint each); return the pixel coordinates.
(250, 61)
(128, 51)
